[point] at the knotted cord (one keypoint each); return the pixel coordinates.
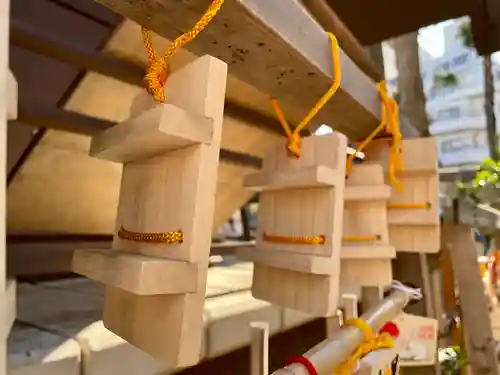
(294, 140)
(157, 74)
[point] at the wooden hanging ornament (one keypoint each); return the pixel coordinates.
(10, 283)
(366, 253)
(297, 253)
(413, 207)
(156, 274)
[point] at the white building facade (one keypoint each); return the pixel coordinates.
(456, 110)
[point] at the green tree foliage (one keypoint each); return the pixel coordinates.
(487, 178)
(452, 360)
(465, 34)
(445, 80)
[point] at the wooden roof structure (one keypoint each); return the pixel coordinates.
(375, 21)
(78, 65)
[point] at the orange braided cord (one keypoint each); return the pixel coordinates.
(409, 206)
(158, 66)
(360, 238)
(169, 238)
(295, 240)
(395, 153)
(389, 122)
(383, 124)
(294, 142)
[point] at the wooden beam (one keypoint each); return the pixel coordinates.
(330, 21)
(25, 36)
(391, 18)
(39, 41)
(485, 24)
(58, 119)
(263, 46)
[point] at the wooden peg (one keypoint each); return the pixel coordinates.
(413, 212)
(301, 200)
(156, 273)
(259, 348)
(349, 303)
(366, 253)
(10, 304)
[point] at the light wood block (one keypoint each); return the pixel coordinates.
(168, 184)
(300, 197)
(294, 262)
(136, 273)
(366, 261)
(161, 128)
(10, 303)
(308, 177)
(413, 229)
(11, 96)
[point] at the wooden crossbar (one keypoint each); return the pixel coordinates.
(263, 48)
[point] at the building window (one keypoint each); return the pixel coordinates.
(448, 113)
(460, 60)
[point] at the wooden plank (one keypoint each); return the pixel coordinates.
(263, 48)
(485, 24)
(405, 16)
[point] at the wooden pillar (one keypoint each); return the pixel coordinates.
(377, 56)
(156, 274)
(8, 110)
(474, 307)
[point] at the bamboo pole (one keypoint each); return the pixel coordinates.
(328, 354)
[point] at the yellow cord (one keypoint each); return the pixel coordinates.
(371, 343)
(389, 122)
(360, 238)
(409, 206)
(313, 240)
(295, 240)
(169, 238)
(157, 74)
(294, 141)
